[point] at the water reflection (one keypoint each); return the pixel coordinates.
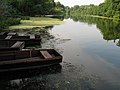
(110, 29)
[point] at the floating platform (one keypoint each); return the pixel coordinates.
(18, 60)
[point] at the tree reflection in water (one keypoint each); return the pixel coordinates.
(110, 29)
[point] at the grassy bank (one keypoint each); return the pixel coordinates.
(103, 17)
(36, 22)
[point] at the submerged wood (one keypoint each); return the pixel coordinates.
(12, 34)
(8, 37)
(16, 60)
(19, 45)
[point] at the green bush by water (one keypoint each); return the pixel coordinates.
(6, 22)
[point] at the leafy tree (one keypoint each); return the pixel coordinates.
(110, 8)
(59, 9)
(6, 9)
(12, 9)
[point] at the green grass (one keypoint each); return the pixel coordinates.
(34, 22)
(103, 17)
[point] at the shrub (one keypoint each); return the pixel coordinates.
(5, 22)
(25, 17)
(116, 17)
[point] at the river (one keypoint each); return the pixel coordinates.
(91, 59)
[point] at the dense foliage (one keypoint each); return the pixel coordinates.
(6, 12)
(36, 7)
(110, 8)
(11, 10)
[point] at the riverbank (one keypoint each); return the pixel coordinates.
(37, 22)
(103, 17)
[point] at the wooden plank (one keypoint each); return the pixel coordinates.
(8, 37)
(7, 57)
(22, 54)
(2, 33)
(18, 61)
(10, 34)
(18, 44)
(46, 54)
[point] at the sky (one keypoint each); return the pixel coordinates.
(79, 2)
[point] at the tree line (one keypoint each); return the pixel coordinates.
(21, 9)
(110, 8)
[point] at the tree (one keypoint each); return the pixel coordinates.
(110, 8)
(5, 9)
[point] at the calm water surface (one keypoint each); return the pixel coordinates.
(91, 60)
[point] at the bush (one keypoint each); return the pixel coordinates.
(117, 17)
(25, 17)
(13, 21)
(5, 22)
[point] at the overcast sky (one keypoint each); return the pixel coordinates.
(80, 2)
